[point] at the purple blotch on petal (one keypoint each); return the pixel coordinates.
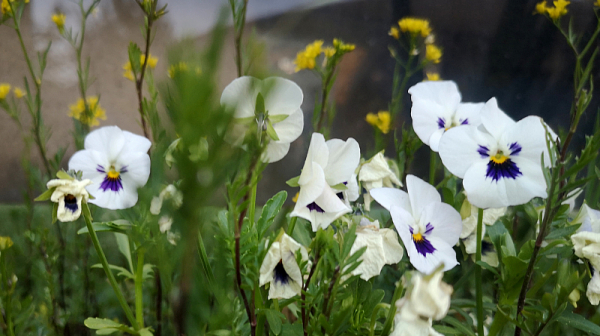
(515, 148)
(465, 122)
(314, 207)
(483, 151)
(100, 169)
(280, 275)
(424, 247)
(441, 123)
(506, 169)
(71, 203)
(114, 184)
(428, 228)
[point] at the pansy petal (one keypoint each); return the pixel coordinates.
(421, 194)
(291, 128)
(344, 157)
(282, 96)
(108, 140)
(468, 113)
(135, 143)
(240, 95)
(460, 148)
(123, 199)
(135, 169)
(403, 221)
(353, 192)
(318, 153)
(87, 161)
(434, 140)
(494, 119)
(330, 202)
(268, 265)
(446, 222)
(530, 135)
(392, 249)
(276, 150)
(426, 116)
(313, 188)
(443, 254)
(388, 197)
(444, 93)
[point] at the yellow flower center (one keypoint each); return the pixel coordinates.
(417, 237)
(112, 174)
(499, 158)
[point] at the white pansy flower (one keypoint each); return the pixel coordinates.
(328, 165)
(500, 160)
(117, 163)
(382, 248)
(68, 194)
(280, 269)
(586, 243)
(170, 192)
(437, 108)
(376, 173)
(429, 228)
(282, 113)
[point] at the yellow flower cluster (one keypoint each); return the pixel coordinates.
(556, 12)
(180, 67)
(415, 26)
(97, 112)
(128, 71)
(4, 90)
(59, 20)
(6, 4)
(433, 76)
(382, 120)
(307, 58)
(433, 53)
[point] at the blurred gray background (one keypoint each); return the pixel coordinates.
(491, 48)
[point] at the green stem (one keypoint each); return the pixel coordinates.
(7, 303)
(478, 283)
(390, 319)
(104, 262)
(252, 205)
(432, 166)
(139, 293)
(292, 225)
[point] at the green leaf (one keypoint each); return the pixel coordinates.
(487, 267)
(119, 226)
(260, 105)
(274, 318)
(271, 131)
(458, 325)
(121, 270)
(135, 55)
(107, 331)
(293, 182)
(579, 322)
(445, 330)
(101, 323)
(270, 211)
(278, 118)
(61, 174)
(45, 195)
(124, 248)
(145, 332)
(562, 232)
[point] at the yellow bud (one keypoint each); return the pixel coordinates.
(4, 90)
(433, 53)
(395, 32)
(433, 76)
(19, 93)
(59, 21)
(5, 243)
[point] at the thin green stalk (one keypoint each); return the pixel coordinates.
(292, 225)
(204, 260)
(104, 262)
(432, 166)
(252, 205)
(7, 303)
(139, 293)
(387, 327)
(478, 283)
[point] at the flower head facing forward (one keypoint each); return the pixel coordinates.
(415, 26)
(499, 161)
(96, 112)
(377, 173)
(382, 121)
(437, 108)
(282, 114)
(428, 228)
(69, 193)
(327, 182)
(280, 269)
(117, 163)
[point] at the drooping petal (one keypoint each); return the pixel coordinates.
(373, 259)
(276, 150)
(291, 128)
(318, 153)
(392, 249)
(421, 194)
(282, 96)
(494, 119)
(388, 197)
(268, 265)
(288, 249)
(240, 95)
(460, 148)
(311, 188)
(344, 157)
(446, 222)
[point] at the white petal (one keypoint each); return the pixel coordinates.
(421, 194)
(494, 119)
(530, 134)
(471, 112)
(373, 259)
(87, 162)
(593, 289)
(403, 221)
(135, 143)
(458, 148)
(275, 151)
(425, 115)
(268, 265)
(288, 249)
(311, 188)
(444, 93)
(434, 140)
(376, 169)
(282, 96)
(284, 291)
(138, 169)
(352, 192)
(344, 157)
(108, 140)
(388, 197)
(240, 95)
(330, 202)
(318, 152)
(393, 251)
(443, 254)
(123, 199)
(291, 128)
(446, 222)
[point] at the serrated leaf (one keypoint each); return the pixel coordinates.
(270, 211)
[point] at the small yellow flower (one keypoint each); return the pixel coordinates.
(4, 90)
(433, 53)
(59, 21)
(128, 71)
(415, 26)
(343, 47)
(5, 243)
(433, 76)
(174, 69)
(330, 51)
(540, 7)
(382, 120)
(152, 61)
(395, 32)
(19, 93)
(295, 199)
(97, 112)
(305, 59)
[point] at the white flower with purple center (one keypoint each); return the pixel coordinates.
(428, 228)
(437, 108)
(68, 193)
(117, 163)
(499, 161)
(327, 182)
(282, 116)
(280, 269)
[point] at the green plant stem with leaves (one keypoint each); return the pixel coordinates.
(323, 114)
(478, 279)
(7, 298)
(111, 278)
(139, 283)
(239, 22)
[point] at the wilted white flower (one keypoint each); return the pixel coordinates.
(500, 160)
(117, 163)
(437, 108)
(376, 173)
(280, 269)
(327, 182)
(593, 289)
(429, 228)
(170, 192)
(382, 248)
(282, 117)
(69, 193)
(586, 243)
